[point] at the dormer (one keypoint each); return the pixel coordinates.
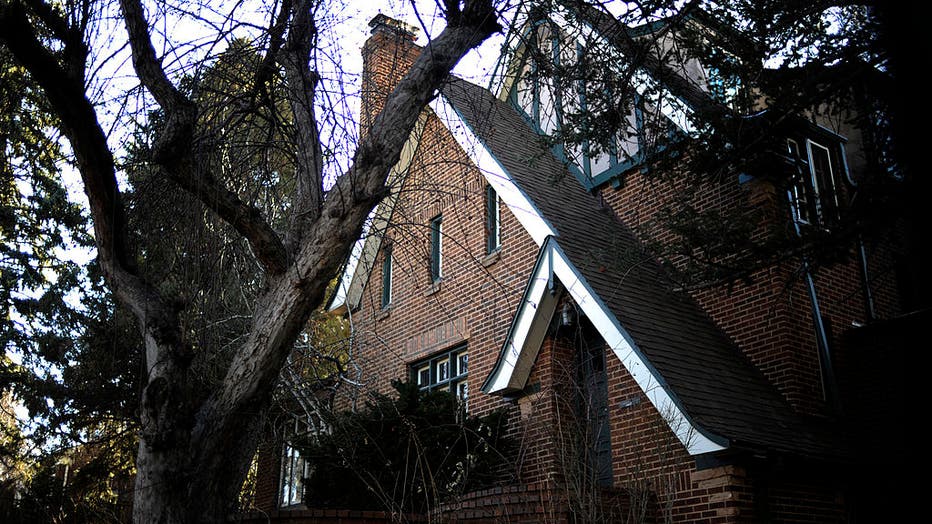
(602, 112)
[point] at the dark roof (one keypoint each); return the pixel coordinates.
(712, 380)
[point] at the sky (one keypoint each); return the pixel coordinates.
(184, 33)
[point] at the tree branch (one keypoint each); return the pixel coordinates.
(173, 148)
(147, 66)
(284, 308)
(380, 149)
(246, 219)
(301, 84)
(78, 121)
(707, 108)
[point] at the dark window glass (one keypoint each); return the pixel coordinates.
(491, 220)
(387, 278)
(445, 371)
(436, 248)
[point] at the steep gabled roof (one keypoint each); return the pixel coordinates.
(707, 378)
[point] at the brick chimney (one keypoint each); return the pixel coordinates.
(387, 56)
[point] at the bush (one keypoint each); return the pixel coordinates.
(403, 454)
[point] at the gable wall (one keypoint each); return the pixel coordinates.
(474, 304)
(769, 317)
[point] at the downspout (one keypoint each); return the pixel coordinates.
(866, 282)
(869, 311)
(829, 385)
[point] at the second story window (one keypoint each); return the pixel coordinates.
(386, 278)
(814, 190)
(436, 248)
(492, 231)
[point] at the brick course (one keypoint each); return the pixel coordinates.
(768, 317)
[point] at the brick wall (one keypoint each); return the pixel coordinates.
(769, 315)
(473, 305)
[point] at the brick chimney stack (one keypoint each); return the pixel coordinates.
(387, 56)
(385, 24)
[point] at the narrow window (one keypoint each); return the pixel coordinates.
(436, 253)
(423, 375)
(823, 179)
(802, 200)
(492, 236)
(386, 278)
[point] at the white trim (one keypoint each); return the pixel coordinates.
(527, 332)
(670, 106)
(522, 346)
(508, 191)
(353, 281)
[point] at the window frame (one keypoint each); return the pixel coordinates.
(455, 362)
(387, 277)
(813, 196)
(436, 248)
(291, 487)
(493, 232)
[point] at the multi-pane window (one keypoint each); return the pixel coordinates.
(436, 248)
(386, 278)
(492, 231)
(295, 468)
(445, 371)
(561, 95)
(814, 191)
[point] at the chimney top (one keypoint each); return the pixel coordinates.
(386, 24)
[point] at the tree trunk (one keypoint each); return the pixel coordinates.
(195, 448)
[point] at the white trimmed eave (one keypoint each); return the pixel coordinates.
(537, 307)
(529, 326)
(495, 174)
(362, 259)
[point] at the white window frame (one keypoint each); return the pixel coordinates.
(456, 363)
(818, 193)
(294, 469)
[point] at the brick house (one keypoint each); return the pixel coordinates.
(516, 278)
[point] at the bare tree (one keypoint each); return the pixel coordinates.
(197, 438)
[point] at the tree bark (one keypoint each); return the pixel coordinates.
(194, 451)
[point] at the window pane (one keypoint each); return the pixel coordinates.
(436, 248)
(463, 364)
(546, 107)
(800, 186)
(443, 370)
(627, 138)
(491, 219)
(462, 392)
(824, 181)
(525, 89)
(387, 279)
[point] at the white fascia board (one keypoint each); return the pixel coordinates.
(657, 391)
(360, 264)
(527, 331)
(523, 346)
(339, 300)
(495, 174)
